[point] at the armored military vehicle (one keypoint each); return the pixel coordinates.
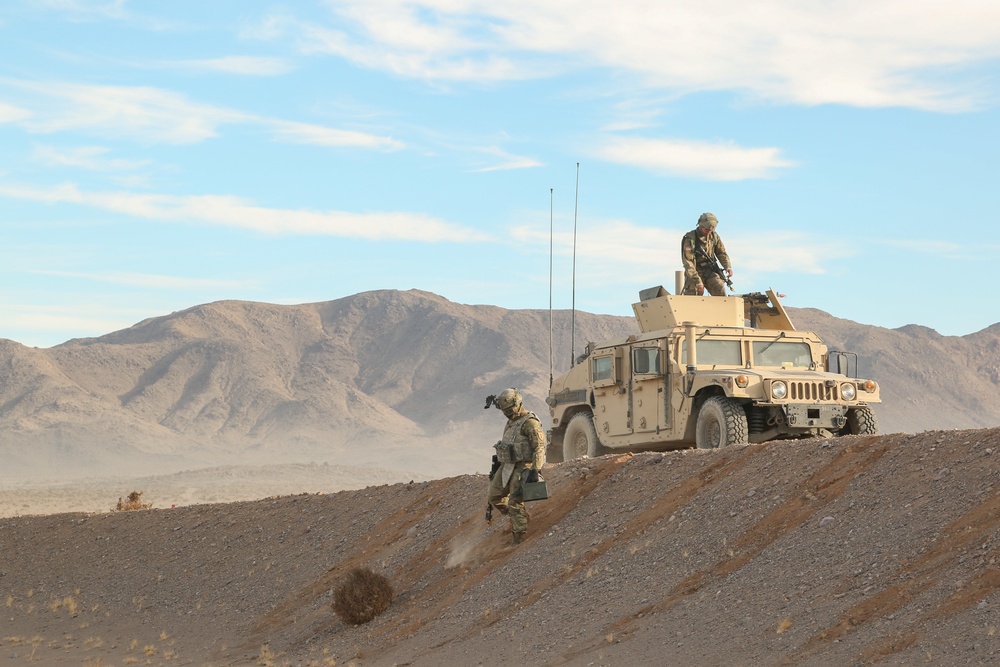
(706, 371)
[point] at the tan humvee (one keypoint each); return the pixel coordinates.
(706, 371)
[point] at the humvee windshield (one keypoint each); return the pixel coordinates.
(782, 354)
(715, 352)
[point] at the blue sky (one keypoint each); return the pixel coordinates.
(159, 155)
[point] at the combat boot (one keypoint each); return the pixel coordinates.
(517, 539)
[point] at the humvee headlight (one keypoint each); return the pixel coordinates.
(742, 381)
(870, 386)
(779, 390)
(848, 391)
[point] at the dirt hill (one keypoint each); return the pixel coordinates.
(864, 550)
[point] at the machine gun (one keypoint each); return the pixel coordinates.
(715, 266)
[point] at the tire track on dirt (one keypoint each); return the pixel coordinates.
(924, 573)
(664, 506)
(808, 497)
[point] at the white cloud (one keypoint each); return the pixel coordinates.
(143, 113)
(696, 159)
(318, 135)
(12, 114)
(247, 65)
(868, 53)
(153, 115)
(93, 158)
(610, 249)
(240, 213)
(506, 161)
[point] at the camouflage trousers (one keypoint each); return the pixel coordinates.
(714, 285)
(508, 498)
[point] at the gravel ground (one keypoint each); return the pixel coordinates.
(857, 551)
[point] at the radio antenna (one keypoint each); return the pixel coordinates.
(572, 331)
(551, 190)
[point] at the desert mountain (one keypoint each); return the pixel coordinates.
(387, 379)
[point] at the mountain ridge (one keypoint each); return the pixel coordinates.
(385, 374)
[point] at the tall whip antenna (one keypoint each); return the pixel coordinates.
(572, 333)
(550, 284)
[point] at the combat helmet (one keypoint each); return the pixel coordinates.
(708, 221)
(509, 399)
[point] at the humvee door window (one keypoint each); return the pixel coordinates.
(646, 360)
(602, 369)
(782, 354)
(715, 352)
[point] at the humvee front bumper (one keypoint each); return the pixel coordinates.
(805, 415)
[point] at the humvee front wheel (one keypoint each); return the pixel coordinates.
(580, 438)
(860, 421)
(721, 422)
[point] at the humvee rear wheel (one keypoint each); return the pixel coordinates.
(580, 438)
(860, 421)
(721, 422)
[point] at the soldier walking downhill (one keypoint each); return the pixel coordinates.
(521, 451)
(697, 275)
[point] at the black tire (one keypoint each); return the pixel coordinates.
(554, 448)
(580, 438)
(860, 421)
(721, 422)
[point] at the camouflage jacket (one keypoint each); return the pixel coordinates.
(523, 441)
(694, 264)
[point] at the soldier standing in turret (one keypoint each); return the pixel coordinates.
(697, 274)
(521, 449)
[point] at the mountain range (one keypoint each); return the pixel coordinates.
(394, 380)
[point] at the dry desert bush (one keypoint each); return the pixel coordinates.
(134, 502)
(361, 596)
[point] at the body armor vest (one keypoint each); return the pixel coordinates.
(515, 446)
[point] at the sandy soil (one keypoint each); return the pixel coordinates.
(856, 551)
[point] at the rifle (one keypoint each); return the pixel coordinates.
(715, 266)
(489, 506)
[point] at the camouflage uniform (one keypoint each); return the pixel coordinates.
(521, 448)
(696, 268)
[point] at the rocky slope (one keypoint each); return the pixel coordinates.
(874, 550)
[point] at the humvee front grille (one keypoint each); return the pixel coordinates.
(812, 391)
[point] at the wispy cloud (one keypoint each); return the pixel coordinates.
(240, 213)
(152, 115)
(318, 135)
(393, 37)
(871, 53)
(93, 158)
(612, 248)
(504, 161)
(246, 65)
(697, 159)
(143, 113)
(12, 114)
